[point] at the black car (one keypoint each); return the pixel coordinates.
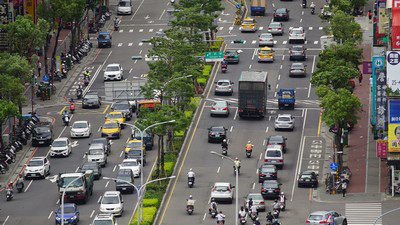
(91, 100)
(270, 189)
(94, 166)
(308, 179)
(124, 107)
(231, 56)
(42, 134)
(281, 14)
(277, 140)
(125, 175)
(216, 134)
(297, 70)
(267, 172)
(105, 141)
(148, 138)
(297, 52)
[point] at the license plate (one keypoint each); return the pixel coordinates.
(286, 104)
(71, 196)
(217, 135)
(124, 189)
(33, 175)
(308, 180)
(273, 161)
(269, 191)
(41, 142)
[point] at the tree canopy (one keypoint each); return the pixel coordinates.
(344, 28)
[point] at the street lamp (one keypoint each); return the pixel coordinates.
(138, 190)
(237, 183)
(63, 195)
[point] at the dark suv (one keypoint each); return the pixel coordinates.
(125, 175)
(124, 107)
(91, 100)
(148, 138)
(42, 134)
(105, 141)
(297, 52)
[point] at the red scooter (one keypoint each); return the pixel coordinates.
(72, 107)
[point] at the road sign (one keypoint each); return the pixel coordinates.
(46, 78)
(334, 166)
(238, 6)
(214, 56)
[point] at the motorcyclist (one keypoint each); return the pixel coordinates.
(191, 174)
(270, 217)
(71, 104)
(257, 221)
(10, 187)
(213, 205)
(237, 164)
(224, 64)
(249, 146)
(86, 74)
(221, 217)
(304, 3)
(282, 198)
(312, 5)
(65, 113)
(254, 209)
(276, 205)
(242, 212)
(116, 22)
(20, 183)
(224, 144)
(190, 202)
(250, 203)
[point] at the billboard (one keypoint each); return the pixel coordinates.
(396, 24)
(381, 149)
(377, 64)
(392, 67)
(394, 126)
(381, 100)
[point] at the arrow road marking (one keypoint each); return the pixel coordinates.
(52, 179)
(74, 144)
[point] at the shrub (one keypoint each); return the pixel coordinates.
(149, 202)
(188, 114)
(148, 216)
(170, 156)
(202, 81)
(180, 133)
(169, 166)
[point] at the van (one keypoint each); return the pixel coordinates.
(125, 175)
(104, 39)
(274, 156)
(124, 7)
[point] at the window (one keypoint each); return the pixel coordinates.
(35, 163)
(59, 144)
(273, 153)
(112, 68)
(111, 125)
(80, 125)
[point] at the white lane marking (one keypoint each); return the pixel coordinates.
(91, 215)
(84, 156)
(269, 118)
(140, 30)
(5, 221)
(275, 94)
(115, 167)
(131, 30)
(96, 74)
(310, 28)
(305, 42)
(277, 86)
(300, 156)
(107, 184)
(130, 44)
(121, 31)
(266, 130)
(279, 77)
(220, 28)
(257, 171)
(77, 169)
(253, 42)
(273, 5)
(140, 51)
(137, 9)
(283, 57)
(98, 201)
(231, 28)
(260, 156)
(150, 30)
(218, 169)
(281, 67)
(302, 12)
(261, 28)
(264, 142)
(209, 200)
(27, 187)
(122, 152)
(250, 66)
(254, 53)
(254, 185)
(140, 43)
(204, 217)
(58, 201)
(275, 42)
(234, 118)
(312, 71)
(301, 20)
(231, 129)
(51, 213)
(315, 42)
(284, 42)
(99, 129)
(320, 28)
(161, 14)
(130, 71)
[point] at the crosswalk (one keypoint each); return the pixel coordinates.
(269, 101)
(363, 213)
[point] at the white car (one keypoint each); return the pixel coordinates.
(104, 219)
(97, 153)
(81, 129)
(112, 202)
(284, 121)
(297, 34)
(124, 7)
(274, 156)
(37, 167)
(113, 72)
(222, 191)
(132, 164)
(61, 147)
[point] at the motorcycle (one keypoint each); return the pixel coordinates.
(116, 26)
(9, 195)
(224, 69)
(190, 182)
(20, 187)
(253, 216)
(189, 209)
(312, 10)
(66, 120)
(58, 76)
(282, 204)
(213, 213)
(248, 153)
(224, 151)
(79, 93)
(304, 4)
(242, 220)
(86, 81)
(72, 107)
(275, 213)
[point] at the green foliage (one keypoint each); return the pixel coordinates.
(149, 202)
(189, 114)
(336, 78)
(210, 7)
(342, 5)
(341, 54)
(202, 81)
(148, 217)
(7, 109)
(169, 166)
(171, 156)
(15, 65)
(345, 28)
(11, 89)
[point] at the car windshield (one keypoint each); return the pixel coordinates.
(68, 210)
(217, 129)
(282, 118)
(271, 185)
(103, 222)
(130, 163)
(110, 125)
(297, 66)
(112, 68)
(220, 104)
(114, 116)
(275, 139)
(268, 170)
(41, 130)
(121, 106)
(274, 153)
(80, 125)
(266, 35)
(264, 52)
(275, 25)
(248, 22)
(315, 217)
(89, 166)
(230, 53)
(281, 10)
(134, 144)
(221, 188)
(110, 200)
(59, 144)
(297, 48)
(124, 4)
(296, 31)
(306, 176)
(91, 96)
(35, 163)
(223, 83)
(134, 152)
(255, 197)
(96, 152)
(75, 182)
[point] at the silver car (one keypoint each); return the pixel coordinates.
(321, 217)
(258, 201)
(266, 39)
(284, 121)
(220, 108)
(275, 28)
(297, 70)
(224, 87)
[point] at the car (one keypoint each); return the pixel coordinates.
(127, 176)
(81, 129)
(222, 191)
(297, 52)
(124, 7)
(274, 156)
(37, 167)
(124, 107)
(105, 141)
(148, 138)
(284, 122)
(60, 147)
(220, 108)
(267, 172)
(71, 214)
(113, 72)
(134, 145)
(266, 54)
(297, 34)
(321, 217)
(97, 153)
(91, 100)
(136, 154)
(231, 56)
(104, 219)
(266, 39)
(93, 166)
(112, 202)
(275, 28)
(297, 70)
(132, 164)
(248, 25)
(42, 134)
(277, 140)
(216, 134)
(258, 201)
(270, 189)
(224, 87)
(281, 14)
(308, 179)
(118, 117)
(111, 130)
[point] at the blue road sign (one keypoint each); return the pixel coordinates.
(334, 166)
(46, 78)
(238, 6)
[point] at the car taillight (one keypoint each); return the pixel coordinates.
(274, 174)
(263, 189)
(260, 39)
(225, 57)
(262, 203)
(280, 160)
(262, 175)
(265, 160)
(225, 109)
(213, 189)
(279, 28)
(230, 86)
(285, 14)
(269, 28)
(277, 190)
(307, 221)
(274, 14)
(323, 222)
(212, 108)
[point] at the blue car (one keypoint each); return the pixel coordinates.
(71, 214)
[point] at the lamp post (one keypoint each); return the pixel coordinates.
(63, 195)
(390, 211)
(138, 190)
(237, 183)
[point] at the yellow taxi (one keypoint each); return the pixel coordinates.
(266, 55)
(134, 145)
(111, 129)
(116, 116)
(248, 25)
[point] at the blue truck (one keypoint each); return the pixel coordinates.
(258, 7)
(104, 39)
(286, 98)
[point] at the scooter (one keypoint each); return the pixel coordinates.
(283, 204)
(224, 69)
(190, 182)
(248, 153)
(9, 195)
(20, 187)
(116, 26)
(66, 120)
(253, 216)
(242, 220)
(213, 213)
(86, 81)
(189, 209)
(304, 4)
(275, 213)
(312, 10)
(224, 151)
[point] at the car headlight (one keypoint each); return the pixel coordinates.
(102, 208)
(49, 137)
(73, 218)
(118, 208)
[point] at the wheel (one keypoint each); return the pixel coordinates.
(344, 222)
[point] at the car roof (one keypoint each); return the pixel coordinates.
(224, 80)
(81, 121)
(319, 212)
(113, 64)
(111, 193)
(220, 101)
(110, 121)
(307, 172)
(276, 136)
(266, 48)
(270, 181)
(221, 127)
(274, 147)
(267, 165)
(297, 64)
(222, 184)
(249, 19)
(99, 139)
(61, 139)
(38, 158)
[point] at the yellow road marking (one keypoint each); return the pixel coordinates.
(106, 109)
(319, 124)
(62, 110)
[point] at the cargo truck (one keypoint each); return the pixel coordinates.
(258, 7)
(77, 186)
(253, 88)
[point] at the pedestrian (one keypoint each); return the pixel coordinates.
(39, 68)
(360, 77)
(370, 15)
(344, 188)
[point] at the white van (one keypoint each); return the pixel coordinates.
(274, 156)
(124, 7)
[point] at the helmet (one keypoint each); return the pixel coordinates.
(191, 169)
(220, 211)
(237, 158)
(269, 213)
(282, 193)
(224, 140)
(87, 71)
(248, 142)
(65, 111)
(251, 199)
(190, 196)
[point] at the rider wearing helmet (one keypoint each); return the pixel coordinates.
(276, 205)
(190, 202)
(249, 146)
(191, 174)
(213, 205)
(237, 164)
(270, 217)
(224, 144)
(221, 217)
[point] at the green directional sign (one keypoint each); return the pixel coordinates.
(214, 56)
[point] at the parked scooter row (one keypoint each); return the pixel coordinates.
(95, 26)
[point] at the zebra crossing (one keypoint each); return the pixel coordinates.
(363, 213)
(270, 101)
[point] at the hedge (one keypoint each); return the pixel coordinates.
(148, 216)
(180, 133)
(202, 81)
(149, 202)
(188, 114)
(169, 166)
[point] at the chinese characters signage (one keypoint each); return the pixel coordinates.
(367, 67)
(381, 100)
(394, 126)
(381, 149)
(393, 66)
(396, 24)
(377, 63)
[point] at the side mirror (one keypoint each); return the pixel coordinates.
(104, 70)
(50, 146)
(122, 201)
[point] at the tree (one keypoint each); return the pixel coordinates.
(74, 11)
(336, 78)
(342, 5)
(209, 7)
(7, 109)
(344, 28)
(192, 20)
(347, 52)
(16, 66)
(25, 36)
(12, 90)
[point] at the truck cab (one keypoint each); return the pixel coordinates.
(104, 39)
(77, 186)
(287, 98)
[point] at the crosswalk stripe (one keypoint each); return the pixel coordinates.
(254, 41)
(150, 30)
(310, 28)
(130, 44)
(284, 42)
(120, 44)
(160, 30)
(121, 31)
(275, 42)
(141, 30)
(261, 28)
(315, 42)
(131, 30)
(140, 43)
(305, 42)
(320, 28)
(220, 28)
(230, 28)
(363, 213)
